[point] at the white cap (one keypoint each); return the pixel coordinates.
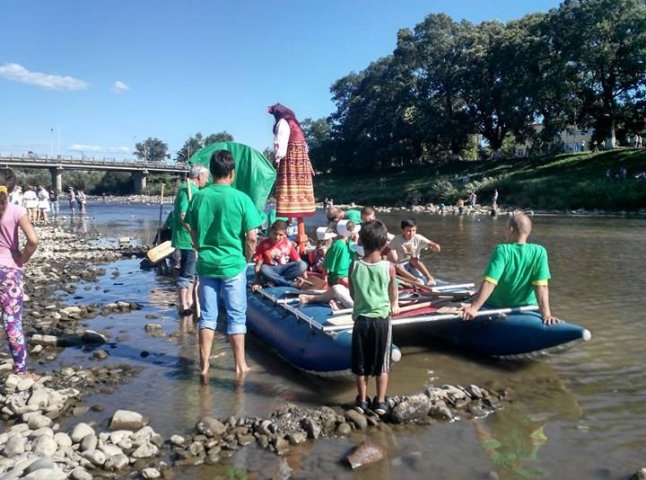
(342, 228)
(322, 233)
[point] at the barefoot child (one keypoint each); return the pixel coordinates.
(12, 259)
(374, 290)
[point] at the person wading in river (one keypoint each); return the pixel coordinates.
(517, 274)
(223, 221)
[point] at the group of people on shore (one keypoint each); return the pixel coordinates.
(42, 203)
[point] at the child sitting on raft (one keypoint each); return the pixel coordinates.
(335, 267)
(314, 276)
(276, 259)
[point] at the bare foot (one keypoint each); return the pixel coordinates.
(305, 299)
(204, 377)
(242, 369)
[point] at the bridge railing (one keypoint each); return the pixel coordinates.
(70, 160)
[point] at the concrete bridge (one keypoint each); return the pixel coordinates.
(139, 168)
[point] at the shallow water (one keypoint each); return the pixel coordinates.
(578, 414)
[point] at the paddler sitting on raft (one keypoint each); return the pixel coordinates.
(517, 274)
(335, 214)
(335, 268)
(276, 259)
(405, 250)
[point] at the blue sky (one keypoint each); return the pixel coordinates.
(94, 77)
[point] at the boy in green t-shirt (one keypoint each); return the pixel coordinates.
(223, 222)
(517, 274)
(335, 269)
(374, 291)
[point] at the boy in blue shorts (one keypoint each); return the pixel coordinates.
(374, 291)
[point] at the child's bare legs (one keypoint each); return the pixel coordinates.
(382, 387)
(335, 293)
(362, 387)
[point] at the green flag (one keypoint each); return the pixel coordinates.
(255, 175)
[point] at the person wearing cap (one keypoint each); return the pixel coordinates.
(336, 267)
(405, 251)
(276, 259)
(314, 277)
(181, 238)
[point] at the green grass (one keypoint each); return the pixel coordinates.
(564, 182)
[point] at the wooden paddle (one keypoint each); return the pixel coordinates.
(434, 317)
(160, 252)
(347, 319)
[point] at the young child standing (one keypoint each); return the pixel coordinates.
(277, 259)
(374, 290)
(12, 259)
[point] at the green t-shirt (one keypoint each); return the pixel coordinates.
(337, 260)
(370, 282)
(354, 216)
(221, 216)
(515, 268)
(181, 236)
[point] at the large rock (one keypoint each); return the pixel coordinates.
(211, 427)
(127, 420)
(366, 454)
(411, 409)
(80, 431)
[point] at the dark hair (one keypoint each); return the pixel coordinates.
(221, 164)
(279, 226)
(281, 111)
(7, 179)
(373, 236)
(367, 211)
(408, 222)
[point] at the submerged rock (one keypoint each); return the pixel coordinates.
(366, 454)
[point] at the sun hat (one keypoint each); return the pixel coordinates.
(344, 231)
(322, 233)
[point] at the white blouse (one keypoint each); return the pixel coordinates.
(280, 139)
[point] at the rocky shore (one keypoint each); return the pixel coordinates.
(34, 445)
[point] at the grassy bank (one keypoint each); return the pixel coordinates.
(565, 182)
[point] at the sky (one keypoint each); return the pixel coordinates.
(92, 78)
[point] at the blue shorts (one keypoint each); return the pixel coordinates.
(187, 273)
(233, 293)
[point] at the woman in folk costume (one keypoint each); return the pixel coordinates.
(294, 190)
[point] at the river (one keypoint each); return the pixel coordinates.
(577, 414)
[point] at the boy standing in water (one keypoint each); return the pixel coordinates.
(374, 290)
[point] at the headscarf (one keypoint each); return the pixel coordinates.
(279, 112)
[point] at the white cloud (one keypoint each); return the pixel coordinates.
(18, 73)
(119, 87)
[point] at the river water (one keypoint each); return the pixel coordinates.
(577, 414)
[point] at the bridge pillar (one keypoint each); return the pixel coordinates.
(57, 178)
(139, 178)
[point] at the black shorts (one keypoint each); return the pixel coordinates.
(371, 345)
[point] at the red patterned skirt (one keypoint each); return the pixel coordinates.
(294, 189)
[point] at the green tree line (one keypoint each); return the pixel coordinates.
(449, 89)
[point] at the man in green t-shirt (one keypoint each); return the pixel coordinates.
(223, 222)
(197, 178)
(517, 274)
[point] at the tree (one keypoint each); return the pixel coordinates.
(192, 145)
(434, 54)
(218, 137)
(603, 43)
(151, 150)
(318, 135)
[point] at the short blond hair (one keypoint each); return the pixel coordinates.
(520, 223)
